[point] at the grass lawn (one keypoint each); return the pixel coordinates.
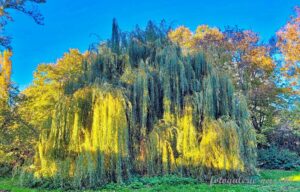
(270, 180)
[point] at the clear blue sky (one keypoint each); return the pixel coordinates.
(69, 23)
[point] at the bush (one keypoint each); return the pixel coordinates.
(275, 158)
(5, 169)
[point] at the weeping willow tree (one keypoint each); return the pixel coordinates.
(141, 107)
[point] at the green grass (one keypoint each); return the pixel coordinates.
(12, 185)
(274, 181)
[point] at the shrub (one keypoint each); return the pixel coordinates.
(5, 169)
(275, 158)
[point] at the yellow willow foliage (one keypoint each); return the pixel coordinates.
(75, 136)
(161, 150)
(177, 145)
(47, 167)
(109, 132)
(168, 116)
(187, 135)
(219, 147)
(5, 73)
(168, 158)
(99, 134)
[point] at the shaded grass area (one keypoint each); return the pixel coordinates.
(269, 180)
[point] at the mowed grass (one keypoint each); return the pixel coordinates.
(269, 180)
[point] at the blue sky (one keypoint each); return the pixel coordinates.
(70, 23)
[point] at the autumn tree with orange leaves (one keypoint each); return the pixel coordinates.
(289, 44)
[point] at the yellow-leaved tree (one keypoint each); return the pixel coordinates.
(5, 112)
(5, 74)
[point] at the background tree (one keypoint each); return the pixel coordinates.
(51, 81)
(11, 145)
(288, 41)
(5, 87)
(5, 75)
(15, 133)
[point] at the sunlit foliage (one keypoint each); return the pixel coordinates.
(5, 81)
(5, 74)
(89, 132)
(50, 83)
(203, 37)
